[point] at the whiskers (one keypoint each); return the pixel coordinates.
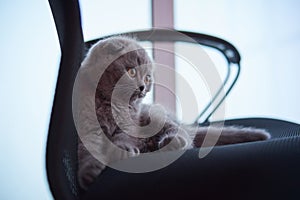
(128, 90)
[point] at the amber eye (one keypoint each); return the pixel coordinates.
(148, 79)
(131, 72)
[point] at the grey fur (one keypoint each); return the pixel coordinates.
(124, 119)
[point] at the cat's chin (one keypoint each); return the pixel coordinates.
(137, 96)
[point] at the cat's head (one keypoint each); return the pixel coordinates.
(130, 74)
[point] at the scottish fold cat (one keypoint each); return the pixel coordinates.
(125, 121)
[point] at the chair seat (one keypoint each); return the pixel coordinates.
(263, 169)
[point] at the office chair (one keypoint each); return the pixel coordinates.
(265, 169)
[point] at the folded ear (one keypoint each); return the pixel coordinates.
(113, 46)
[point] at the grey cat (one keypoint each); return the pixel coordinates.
(128, 123)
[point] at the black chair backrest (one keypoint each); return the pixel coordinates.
(62, 137)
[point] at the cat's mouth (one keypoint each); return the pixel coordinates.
(137, 95)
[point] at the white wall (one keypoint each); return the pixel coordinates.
(29, 64)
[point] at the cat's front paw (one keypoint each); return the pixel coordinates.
(88, 172)
(131, 149)
(128, 146)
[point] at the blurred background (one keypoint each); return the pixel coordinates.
(266, 33)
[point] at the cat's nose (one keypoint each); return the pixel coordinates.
(142, 88)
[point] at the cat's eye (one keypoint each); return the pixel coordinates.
(131, 72)
(148, 79)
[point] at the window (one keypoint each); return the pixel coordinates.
(101, 18)
(266, 34)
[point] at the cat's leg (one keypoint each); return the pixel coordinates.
(88, 167)
(228, 135)
(171, 137)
